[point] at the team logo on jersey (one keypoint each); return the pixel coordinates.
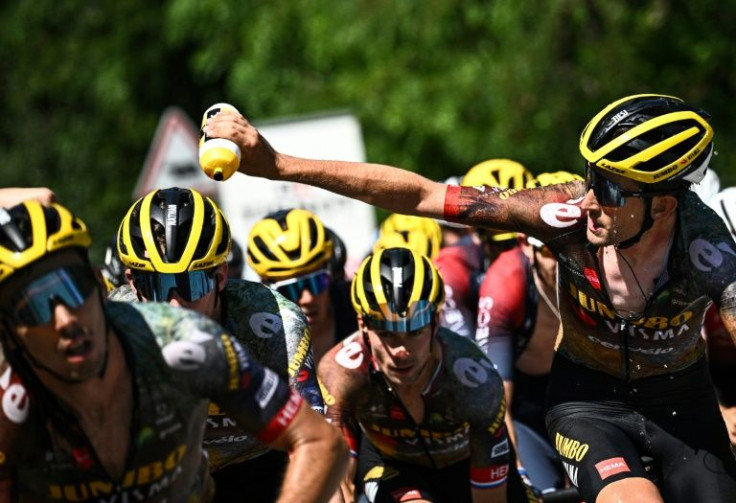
(706, 256)
(266, 325)
(470, 372)
(15, 398)
(570, 448)
(350, 355)
(560, 215)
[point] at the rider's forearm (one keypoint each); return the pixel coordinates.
(316, 467)
(394, 189)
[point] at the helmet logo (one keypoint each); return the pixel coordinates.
(620, 116)
(171, 214)
(398, 276)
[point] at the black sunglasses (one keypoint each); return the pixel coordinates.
(606, 192)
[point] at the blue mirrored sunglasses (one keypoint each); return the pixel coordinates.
(71, 285)
(606, 192)
(157, 287)
(316, 283)
(422, 315)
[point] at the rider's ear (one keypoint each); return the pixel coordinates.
(663, 206)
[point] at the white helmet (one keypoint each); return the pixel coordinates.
(724, 203)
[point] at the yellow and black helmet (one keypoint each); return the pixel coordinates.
(397, 290)
(501, 173)
(288, 243)
(553, 178)
(29, 231)
(418, 233)
(665, 139)
(173, 231)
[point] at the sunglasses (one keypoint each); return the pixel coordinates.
(606, 192)
(157, 287)
(70, 285)
(422, 314)
(315, 283)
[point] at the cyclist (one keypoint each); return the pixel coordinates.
(293, 252)
(518, 321)
(721, 350)
(175, 244)
(107, 401)
(428, 402)
(640, 259)
(464, 263)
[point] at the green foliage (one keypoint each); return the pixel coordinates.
(437, 84)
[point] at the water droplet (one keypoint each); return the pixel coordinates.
(674, 412)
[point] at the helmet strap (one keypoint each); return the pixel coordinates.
(645, 226)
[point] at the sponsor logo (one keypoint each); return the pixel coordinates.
(396, 414)
(289, 410)
(592, 276)
(188, 354)
(634, 349)
(572, 472)
(326, 395)
(593, 305)
(229, 439)
(171, 214)
(706, 256)
(498, 421)
(489, 474)
(350, 355)
(470, 372)
(409, 434)
(611, 467)
(560, 215)
(15, 398)
(266, 325)
(610, 167)
(268, 387)
(143, 483)
(500, 448)
(297, 359)
(619, 117)
(570, 448)
(232, 361)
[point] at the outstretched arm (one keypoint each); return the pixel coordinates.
(14, 195)
(318, 458)
(394, 189)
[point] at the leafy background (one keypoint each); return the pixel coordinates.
(438, 85)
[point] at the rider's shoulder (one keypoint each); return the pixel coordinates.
(123, 293)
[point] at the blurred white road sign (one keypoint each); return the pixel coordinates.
(173, 158)
(245, 199)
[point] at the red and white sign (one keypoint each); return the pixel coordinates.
(173, 158)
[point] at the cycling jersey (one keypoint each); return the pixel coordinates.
(461, 266)
(178, 360)
(463, 409)
(507, 310)
(275, 333)
(700, 265)
(651, 351)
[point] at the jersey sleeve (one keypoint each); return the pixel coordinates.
(302, 372)
(490, 452)
(547, 213)
(215, 365)
(501, 307)
(340, 373)
(13, 418)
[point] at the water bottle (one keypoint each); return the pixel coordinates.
(219, 158)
